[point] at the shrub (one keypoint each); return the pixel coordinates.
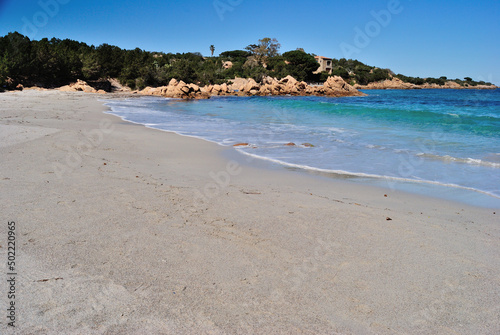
(130, 83)
(340, 71)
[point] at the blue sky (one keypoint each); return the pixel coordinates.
(454, 38)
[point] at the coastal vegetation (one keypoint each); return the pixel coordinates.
(56, 62)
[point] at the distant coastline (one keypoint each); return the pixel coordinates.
(397, 84)
(260, 69)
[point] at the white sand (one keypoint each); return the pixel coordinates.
(124, 230)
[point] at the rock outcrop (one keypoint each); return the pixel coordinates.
(116, 86)
(177, 89)
(334, 86)
(452, 85)
(80, 86)
(397, 84)
(394, 83)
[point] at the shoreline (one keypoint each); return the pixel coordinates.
(462, 195)
(264, 164)
(151, 231)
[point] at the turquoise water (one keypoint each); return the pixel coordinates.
(449, 138)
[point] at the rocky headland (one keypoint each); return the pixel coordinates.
(397, 84)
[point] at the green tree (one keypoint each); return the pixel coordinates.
(267, 47)
(236, 55)
(91, 68)
(277, 67)
(300, 65)
(17, 49)
(212, 49)
(378, 75)
(341, 72)
(110, 59)
(183, 69)
(4, 70)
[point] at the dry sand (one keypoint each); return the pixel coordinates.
(124, 230)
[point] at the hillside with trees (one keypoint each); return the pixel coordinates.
(56, 62)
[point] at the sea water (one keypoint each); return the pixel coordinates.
(426, 140)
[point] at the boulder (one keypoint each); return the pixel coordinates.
(270, 81)
(227, 65)
(237, 84)
(336, 86)
(79, 86)
(276, 88)
(309, 90)
(184, 89)
(289, 80)
(301, 85)
(169, 91)
(265, 90)
(148, 90)
(251, 85)
(207, 89)
(194, 87)
(291, 89)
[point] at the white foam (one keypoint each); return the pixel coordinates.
(472, 161)
(366, 175)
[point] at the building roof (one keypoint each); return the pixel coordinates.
(325, 58)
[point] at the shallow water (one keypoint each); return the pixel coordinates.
(449, 138)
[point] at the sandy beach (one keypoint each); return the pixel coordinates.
(121, 229)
